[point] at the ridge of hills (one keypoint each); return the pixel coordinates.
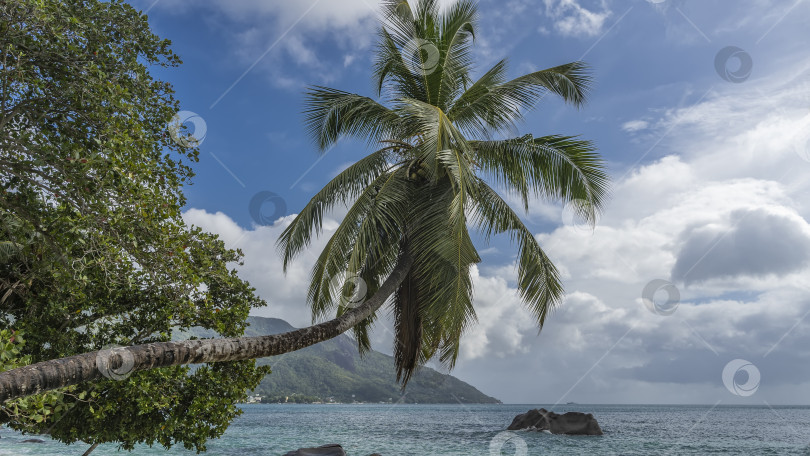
(334, 371)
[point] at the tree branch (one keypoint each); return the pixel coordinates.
(59, 373)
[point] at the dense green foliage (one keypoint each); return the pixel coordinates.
(93, 250)
(31, 411)
(438, 148)
(334, 369)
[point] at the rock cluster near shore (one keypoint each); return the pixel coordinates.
(326, 450)
(572, 423)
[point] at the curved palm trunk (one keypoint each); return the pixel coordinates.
(58, 373)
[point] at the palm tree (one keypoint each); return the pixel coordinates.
(412, 202)
(428, 181)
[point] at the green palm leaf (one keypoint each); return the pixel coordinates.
(342, 189)
(556, 167)
(538, 279)
(490, 104)
(332, 113)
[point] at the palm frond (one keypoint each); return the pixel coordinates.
(399, 17)
(571, 82)
(332, 113)
(502, 105)
(475, 117)
(538, 279)
(455, 60)
(344, 187)
(378, 208)
(392, 69)
(407, 328)
(424, 54)
(558, 167)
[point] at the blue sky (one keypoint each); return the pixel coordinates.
(652, 58)
(709, 178)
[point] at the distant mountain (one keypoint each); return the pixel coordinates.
(334, 369)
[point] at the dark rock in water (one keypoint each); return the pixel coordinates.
(33, 441)
(573, 423)
(326, 450)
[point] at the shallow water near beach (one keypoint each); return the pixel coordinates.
(362, 429)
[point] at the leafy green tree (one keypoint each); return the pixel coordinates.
(93, 249)
(428, 182)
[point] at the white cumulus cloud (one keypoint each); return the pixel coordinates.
(572, 19)
(635, 125)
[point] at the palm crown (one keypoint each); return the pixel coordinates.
(427, 182)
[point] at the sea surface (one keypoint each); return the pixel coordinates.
(404, 429)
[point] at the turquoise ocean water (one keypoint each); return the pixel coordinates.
(272, 429)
